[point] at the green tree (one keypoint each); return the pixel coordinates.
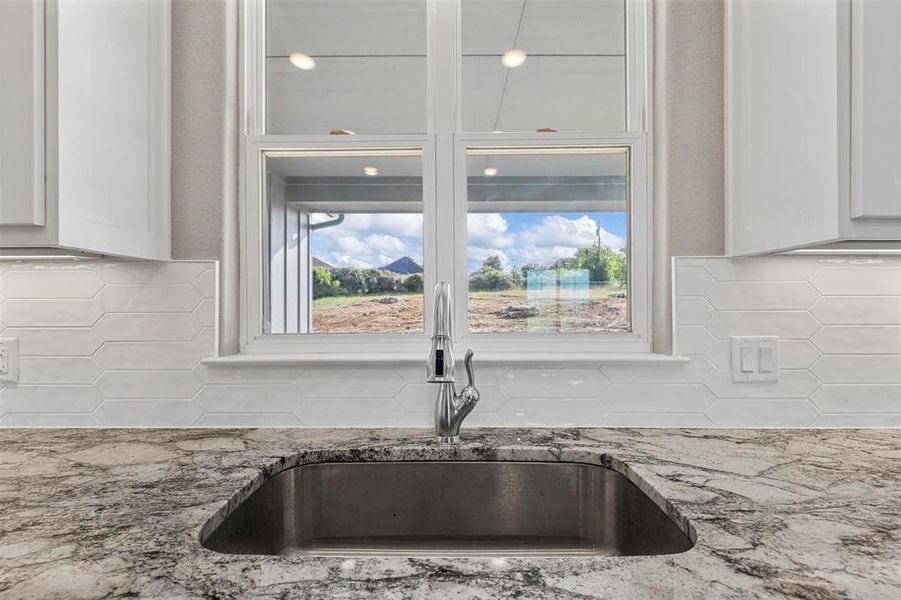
(323, 284)
(413, 283)
(493, 261)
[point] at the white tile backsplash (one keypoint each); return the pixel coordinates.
(118, 343)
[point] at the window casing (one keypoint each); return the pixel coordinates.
(444, 181)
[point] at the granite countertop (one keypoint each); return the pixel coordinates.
(96, 513)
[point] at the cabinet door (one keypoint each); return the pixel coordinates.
(782, 124)
(113, 109)
(22, 112)
(876, 109)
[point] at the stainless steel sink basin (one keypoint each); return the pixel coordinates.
(474, 507)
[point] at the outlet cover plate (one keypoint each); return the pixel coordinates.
(755, 358)
(9, 359)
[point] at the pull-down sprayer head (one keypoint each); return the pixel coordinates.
(440, 364)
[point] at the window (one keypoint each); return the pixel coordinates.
(500, 145)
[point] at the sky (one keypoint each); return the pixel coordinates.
(375, 240)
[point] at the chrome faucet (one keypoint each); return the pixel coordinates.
(450, 408)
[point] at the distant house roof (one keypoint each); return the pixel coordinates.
(403, 266)
(321, 263)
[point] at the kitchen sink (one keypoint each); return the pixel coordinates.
(465, 507)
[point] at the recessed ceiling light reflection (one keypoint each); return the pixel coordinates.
(371, 171)
(302, 61)
(513, 58)
(489, 171)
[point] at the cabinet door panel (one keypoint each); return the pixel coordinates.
(876, 109)
(22, 112)
(782, 124)
(113, 108)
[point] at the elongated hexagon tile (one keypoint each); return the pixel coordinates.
(856, 280)
(57, 369)
(720, 354)
(796, 354)
(858, 398)
(656, 398)
(161, 327)
(350, 383)
(482, 419)
(848, 368)
(861, 310)
(420, 397)
(692, 339)
(149, 298)
(48, 420)
(532, 382)
(248, 420)
(692, 281)
(350, 412)
(768, 268)
(247, 374)
(417, 420)
(206, 283)
(49, 313)
(148, 355)
(206, 312)
(155, 412)
(771, 295)
(55, 341)
(657, 420)
(862, 420)
(147, 384)
(858, 339)
(149, 272)
(697, 370)
(257, 398)
(50, 399)
(553, 412)
(796, 325)
(50, 283)
(692, 310)
(741, 412)
(791, 384)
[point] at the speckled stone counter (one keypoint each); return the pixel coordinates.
(91, 513)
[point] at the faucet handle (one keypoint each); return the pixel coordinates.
(467, 362)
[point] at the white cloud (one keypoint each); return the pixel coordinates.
(557, 230)
(487, 229)
(553, 237)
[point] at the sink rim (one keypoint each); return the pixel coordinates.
(456, 454)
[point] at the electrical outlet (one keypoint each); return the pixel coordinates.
(9, 359)
(755, 359)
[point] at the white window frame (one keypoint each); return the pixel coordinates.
(444, 205)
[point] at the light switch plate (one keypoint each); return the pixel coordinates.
(9, 359)
(755, 358)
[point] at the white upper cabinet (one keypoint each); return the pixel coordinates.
(876, 109)
(100, 73)
(796, 98)
(21, 113)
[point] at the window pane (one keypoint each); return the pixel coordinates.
(547, 232)
(573, 77)
(361, 66)
(345, 240)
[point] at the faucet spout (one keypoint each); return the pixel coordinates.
(450, 408)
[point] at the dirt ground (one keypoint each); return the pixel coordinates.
(367, 314)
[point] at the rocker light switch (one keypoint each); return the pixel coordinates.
(755, 359)
(748, 359)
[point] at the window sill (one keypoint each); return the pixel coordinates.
(257, 360)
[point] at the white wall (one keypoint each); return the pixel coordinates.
(119, 343)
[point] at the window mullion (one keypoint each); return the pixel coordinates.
(443, 89)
